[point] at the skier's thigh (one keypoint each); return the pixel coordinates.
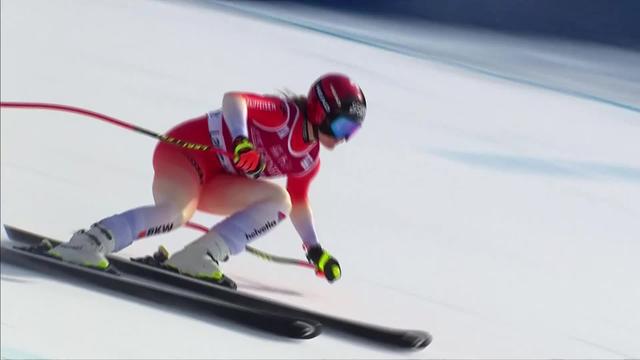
(177, 183)
(226, 194)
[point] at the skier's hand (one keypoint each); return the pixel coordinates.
(324, 263)
(247, 158)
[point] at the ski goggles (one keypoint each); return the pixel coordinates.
(344, 127)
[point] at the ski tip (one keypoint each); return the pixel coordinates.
(8, 231)
(415, 339)
(12, 231)
(306, 330)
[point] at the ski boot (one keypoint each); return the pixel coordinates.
(200, 260)
(87, 248)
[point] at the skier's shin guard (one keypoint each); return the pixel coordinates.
(246, 225)
(142, 222)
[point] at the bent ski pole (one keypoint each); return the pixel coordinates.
(112, 120)
(278, 259)
(261, 254)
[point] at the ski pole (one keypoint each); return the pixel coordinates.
(278, 259)
(114, 121)
(261, 254)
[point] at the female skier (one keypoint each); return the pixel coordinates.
(266, 137)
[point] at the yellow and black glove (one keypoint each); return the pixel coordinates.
(324, 263)
(247, 158)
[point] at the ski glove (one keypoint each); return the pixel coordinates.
(247, 158)
(324, 263)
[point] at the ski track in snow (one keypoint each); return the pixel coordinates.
(504, 212)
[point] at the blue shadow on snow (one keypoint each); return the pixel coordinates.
(536, 166)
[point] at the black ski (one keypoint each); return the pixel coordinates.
(279, 324)
(411, 339)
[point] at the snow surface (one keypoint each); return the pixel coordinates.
(501, 217)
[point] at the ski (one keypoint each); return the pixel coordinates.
(399, 338)
(33, 257)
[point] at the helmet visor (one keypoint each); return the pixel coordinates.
(344, 127)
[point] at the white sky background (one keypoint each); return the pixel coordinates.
(500, 217)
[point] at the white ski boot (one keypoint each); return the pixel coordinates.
(201, 258)
(87, 248)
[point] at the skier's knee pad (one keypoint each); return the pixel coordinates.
(280, 200)
(184, 213)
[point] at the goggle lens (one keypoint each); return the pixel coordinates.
(344, 127)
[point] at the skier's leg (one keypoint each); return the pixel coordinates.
(179, 175)
(254, 207)
(176, 196)
(176, 188)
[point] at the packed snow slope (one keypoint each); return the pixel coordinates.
(500, 216)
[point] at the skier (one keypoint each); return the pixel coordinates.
(265, 136)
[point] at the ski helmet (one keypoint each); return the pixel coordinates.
(336, 106)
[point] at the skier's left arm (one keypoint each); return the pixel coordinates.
(302, 219)
(235, 109)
